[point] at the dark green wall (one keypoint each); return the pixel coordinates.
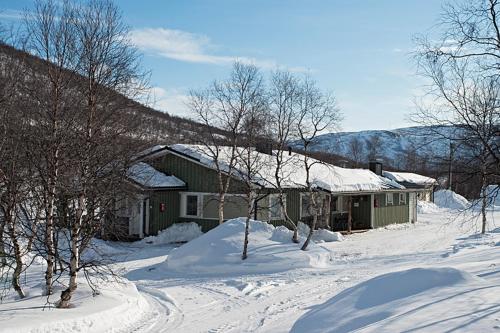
(202, 179)
(390, 214)
(162, 220)
(197, 177)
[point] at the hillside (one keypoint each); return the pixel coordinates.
(158, 126)
(393, 146)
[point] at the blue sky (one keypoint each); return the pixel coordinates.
(357, 49)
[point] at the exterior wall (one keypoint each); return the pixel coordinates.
(197, 177)
(389, 214)
(159, 220)
(204, 180)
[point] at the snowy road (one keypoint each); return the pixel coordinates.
(273, 302)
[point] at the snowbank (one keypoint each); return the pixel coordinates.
(451, 200)
(425, 207)
(177, 233)
(270, 249)
(118, 307)
(418, 299)
(320, 235)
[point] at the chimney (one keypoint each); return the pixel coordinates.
(376, 167)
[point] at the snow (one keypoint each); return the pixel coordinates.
(117, 305)
(320, 235)
(426, 207)
(409, 178)
(418, 299)
(219, 251)
(177, 233)
(325, 176)
(451, 200)
(436, 275)
(147, 176)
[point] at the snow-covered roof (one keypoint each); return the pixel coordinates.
(293, 174)
(408, 177)
(147, 176)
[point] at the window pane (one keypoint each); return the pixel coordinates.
(334, 204)
(192, 205)
(274, 207)
(305, 205)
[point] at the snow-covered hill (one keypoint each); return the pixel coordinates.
(390, 145)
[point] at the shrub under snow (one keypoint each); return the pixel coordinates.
(177, 233)
(319, 235)
(219, 251)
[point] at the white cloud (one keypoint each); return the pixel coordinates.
(172, 101)
(189, 47)
(11, 14)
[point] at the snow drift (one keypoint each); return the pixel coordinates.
(177, 233)
(451, 200)
(270, 249)
(418, 299)
(425, 207)
(319, 235)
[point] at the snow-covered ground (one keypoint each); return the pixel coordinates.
(437, 275)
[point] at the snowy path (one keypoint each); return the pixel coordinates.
(273, 302)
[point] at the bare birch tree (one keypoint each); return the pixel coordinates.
(222, 107)
(284, 97)
(463, 70)
(318, 113)
(107, 63)
(249, 160)
(51, 37)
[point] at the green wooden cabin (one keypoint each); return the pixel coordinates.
(193, 199)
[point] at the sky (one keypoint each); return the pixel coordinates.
(359, 50)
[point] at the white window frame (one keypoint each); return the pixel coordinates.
(199, 211)
(201, 196)
(280, 217)
(387, 201)
(402, 198)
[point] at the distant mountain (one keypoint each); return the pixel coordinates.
(394, 147)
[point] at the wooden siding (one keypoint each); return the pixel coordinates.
(390, 214)
(361, 215)
(161, 220)
(197, 177)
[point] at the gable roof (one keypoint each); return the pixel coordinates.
(410, 178)
(146, 176)
(324, 176)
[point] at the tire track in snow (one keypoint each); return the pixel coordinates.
(165, 317)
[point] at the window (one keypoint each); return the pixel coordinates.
(389, 199)
(275, 207)
(344, 204)
(305, 205)
(190, 205)
(335, 204)
(402, 198)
